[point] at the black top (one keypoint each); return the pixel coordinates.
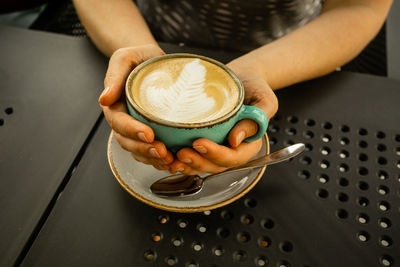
(229, 24)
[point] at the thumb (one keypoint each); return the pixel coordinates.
(266, 100)
(263, 98)
(121, 63)
(243, 129)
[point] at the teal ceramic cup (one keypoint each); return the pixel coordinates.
(176, 135)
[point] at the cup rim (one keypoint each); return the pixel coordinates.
(148, 116)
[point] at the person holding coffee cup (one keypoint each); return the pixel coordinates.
(184, 97)
(285, 43)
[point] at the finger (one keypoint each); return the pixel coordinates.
(141, 159)
(124, 124)
(225, 156)
(152, 161)
(268, 102)
(179, 166)
(120, 65)
(243, 129)
(155, 150)
(161, 167)
(148, 161)
(183, 168)
(168, 159)
(196, 162)
(193, 172)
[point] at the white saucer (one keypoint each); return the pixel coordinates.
(136, 178)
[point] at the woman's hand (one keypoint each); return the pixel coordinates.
(207, 156)
(132, 135)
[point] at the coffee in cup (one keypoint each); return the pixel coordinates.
(185, 90)
(183, 97)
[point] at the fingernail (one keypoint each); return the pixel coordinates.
(163, 161)
(240, 137)
(165, 167)
(142, 137)
(187, 161)
(105, 91)
(200, 149)
(153, 152)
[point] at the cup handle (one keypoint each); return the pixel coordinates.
(257, 115)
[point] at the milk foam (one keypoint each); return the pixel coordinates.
(183, 100)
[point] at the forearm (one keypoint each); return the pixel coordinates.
(113, 24)
(342, 30)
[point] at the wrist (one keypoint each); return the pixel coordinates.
(246, 66)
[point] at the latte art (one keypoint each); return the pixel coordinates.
(185, 90)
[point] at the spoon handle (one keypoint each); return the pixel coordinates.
(275, 157)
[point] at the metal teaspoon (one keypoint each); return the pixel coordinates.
(184, 185)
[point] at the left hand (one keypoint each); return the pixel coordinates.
(209, 157)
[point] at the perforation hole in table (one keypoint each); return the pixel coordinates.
(171, 260)
(156, 237)
(323, 178)
(197, 246)
(247, 219)
(192, 264)
(353, 172)
(202, 228)
(150, 255)
(177, 241)
(5, 115)
(163, 219)
(362, 218)
(261, 261)
(264, 241)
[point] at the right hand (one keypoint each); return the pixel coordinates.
(132, 135)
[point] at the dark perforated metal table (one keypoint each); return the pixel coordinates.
(48, 107)
(338, 204)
